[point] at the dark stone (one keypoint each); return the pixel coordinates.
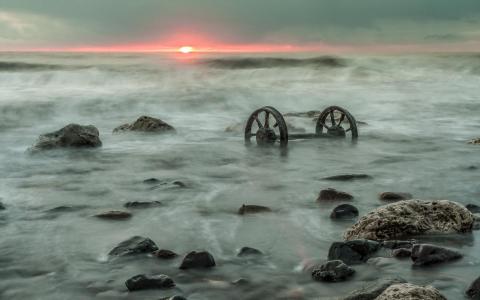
(333, 271)
(253, 209)
(174, 298)
(72, 135)
(197, 260)
(373, 290)
(402, 253)
(392, 196)
(180, 184)
(333, 194)
(144, 282)
(2, 207)
(165, 254)
(146, 124)
(426, 254)
(141, 204)
(473, 291)
(476, 222)
(151, 181)
(348, 177)
(399, 244)
(134, 245)
(353, 252)
(114, 215)
(241, 281)
(344, 211)
(473, 208)
(247, 251)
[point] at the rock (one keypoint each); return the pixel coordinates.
(348, 177)
(2, 207)
(114, 215)
(344, 211)
(473, 291)
(174, 298)
(253, 209)
(70, 136)
(373, 290)
(151, 181)
(146, 124)
(392, 196)
(401, 252)
(165, 254)
(426, 254)
(473, 208)
(134, 245)
(333, 271)
(407, 291)
(197, 260)
(353, 252)
(144, 282)
(476, 223)
(399, 244)
(474, 141)
(247, 251)
(241, 281)
(141, 204)
(333, 195)
(412, 217)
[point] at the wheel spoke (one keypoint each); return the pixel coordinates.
(267, 119)
(341, 119)
(258, 122)
(275, 126)
(324, 125)
(349, 129)
(332, 118)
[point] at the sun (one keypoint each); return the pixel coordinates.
(186, 49)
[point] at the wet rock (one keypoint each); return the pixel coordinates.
(2, 207)
(333, 195)
(426, 254)
(134, 245)
(353, 252)
(151, 181)
(348, 177)
(412, 217)
(373, 290)
(174, 298)
(142, 204)
(399, 244)
(253, 209)
(333, 271)
(407, 291)
(145, 282)
(247, 251)
(241, 281)
(197, 260)
(401, 252)
(392, 196)
(344, 211)
(476, 223)
(70, 136)
(165, 254)
(473, 208)
(146, 124)
(473, 291)
(474, 141)
(114, 215)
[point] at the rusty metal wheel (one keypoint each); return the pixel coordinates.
(268, 127)
(336, 121)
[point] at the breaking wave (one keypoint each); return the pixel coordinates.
(274, 62)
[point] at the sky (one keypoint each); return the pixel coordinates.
(239, 25)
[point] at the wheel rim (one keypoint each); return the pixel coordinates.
(267, 126)
(336, 121)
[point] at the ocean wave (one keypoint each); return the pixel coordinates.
(7, 66)
(274, 62)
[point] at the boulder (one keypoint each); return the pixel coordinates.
(373, 290)
(70, 136)
(146, 124)
(407, 291)
(142, 204)
(353, 252)
(165, 254)
(412, 217)
(134, 245)
(474, 141)
(473, 208)
(197, 260)
(426, 254)
(114, 215)
(344, 211)
(347, 177)
(333, 271)
(402, 253)
(252, 209)
(473, 291)
(399, 244)
(144, 282)
(247, 251)
(333, 195)
(174, 298)
(392, 196)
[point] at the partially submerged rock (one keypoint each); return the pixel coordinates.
(407, 291)
(176, 297)
(144, 282)
(473, 291)
(347, 177)
(198, 260)
(353, 252)
(247, 251)
(134, 245)
(373, 290)
(333, 271)
(253, 209)
(393, 196)
(114, 215)
(394, 244)
(402, 253)
(70, 136)
(2, 207)
(142, 204)
(473, 208)
(333, 195)
(412, 217)
(474, 141)
(344, 211)
(426, 254)
(146, 124)
(165, 254)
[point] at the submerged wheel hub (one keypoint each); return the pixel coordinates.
(336, 131)
(266, 136)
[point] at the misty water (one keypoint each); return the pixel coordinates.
(419, 111)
